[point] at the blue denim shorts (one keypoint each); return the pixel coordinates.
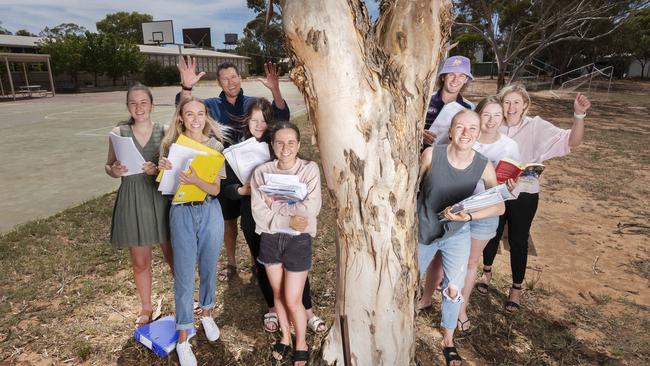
(294, 252)
(484, 229)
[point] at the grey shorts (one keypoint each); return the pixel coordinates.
(294, 252)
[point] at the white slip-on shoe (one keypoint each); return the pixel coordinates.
(185, 354)
(210, 328)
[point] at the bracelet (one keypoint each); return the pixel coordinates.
(186, 88)
(470, 217)
(579, 116)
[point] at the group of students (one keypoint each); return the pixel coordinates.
(193, 233)
(450, 246)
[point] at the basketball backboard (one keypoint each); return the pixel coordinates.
(197, 37)
(158, 32)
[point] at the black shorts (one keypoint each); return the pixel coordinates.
(229, 208)
(294, 252)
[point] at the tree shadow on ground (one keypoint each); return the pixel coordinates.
(531, 336)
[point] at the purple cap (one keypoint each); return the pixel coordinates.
(457, 64)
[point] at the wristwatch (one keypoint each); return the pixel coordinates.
(186, 88)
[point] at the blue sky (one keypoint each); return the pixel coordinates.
(222, 16)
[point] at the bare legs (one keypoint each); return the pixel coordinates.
(141, 264)
(287, 295)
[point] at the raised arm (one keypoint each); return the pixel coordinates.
(580, 107)
(187, 68)
(271, 80)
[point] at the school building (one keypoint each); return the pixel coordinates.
(29, 69)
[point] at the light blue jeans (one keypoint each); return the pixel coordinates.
(484, 229)
(455, 254)
(197, 236)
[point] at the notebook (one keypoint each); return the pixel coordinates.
(160, 336)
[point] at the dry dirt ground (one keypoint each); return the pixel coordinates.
(67, 297)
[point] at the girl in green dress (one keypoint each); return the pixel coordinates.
(140, 215)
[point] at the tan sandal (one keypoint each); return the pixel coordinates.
(316, 324)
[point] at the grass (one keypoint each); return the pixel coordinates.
(66, 293)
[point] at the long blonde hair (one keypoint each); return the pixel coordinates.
(176, 127)
(519, 89)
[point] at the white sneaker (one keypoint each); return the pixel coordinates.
(210, 328)
(185, 354)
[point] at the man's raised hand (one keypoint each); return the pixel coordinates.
(271, 79)
(187, 70)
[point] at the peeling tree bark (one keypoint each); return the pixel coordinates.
(367, 89)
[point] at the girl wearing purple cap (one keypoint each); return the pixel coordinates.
(453, 79)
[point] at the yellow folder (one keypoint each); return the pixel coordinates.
(188, 142)
(207, 168)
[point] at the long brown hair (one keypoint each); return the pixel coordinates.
(260, 104)
(176, 127)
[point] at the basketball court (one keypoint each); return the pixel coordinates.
(54, 149)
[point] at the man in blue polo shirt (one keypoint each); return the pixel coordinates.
(453, 79)
(231, 102)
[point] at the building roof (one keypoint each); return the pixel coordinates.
(24, 57)
(157, 50)
(32, 42)
(19, 41)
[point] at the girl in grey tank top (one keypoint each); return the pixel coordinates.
(449, 174)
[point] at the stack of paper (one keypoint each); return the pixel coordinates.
(481, 200)
(185, 152)
(245, 156)
(284, 187)
(178, 156)
(440, 126)
(127, 153)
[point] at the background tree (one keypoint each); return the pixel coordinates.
(518, 31)
(4, 30)
(25, 32)
(62, 30)
(262, 43)
(94, 54)
(65, 53)
(123, 57)
(125, 25)
(367, 88)
(637, 36)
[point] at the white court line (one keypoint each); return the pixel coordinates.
(84, 111)
(91, 132)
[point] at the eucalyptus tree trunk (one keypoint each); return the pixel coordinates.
(367, 88)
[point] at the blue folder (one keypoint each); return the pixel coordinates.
(160, 336)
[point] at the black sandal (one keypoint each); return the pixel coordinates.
(511, 306)
(462, 328)
(280, 351)
(451, 355)
(483, 288)
(300, 356)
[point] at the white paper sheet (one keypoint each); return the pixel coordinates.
(178, 156)
(245, 156)
(127, 154)
(440, 126)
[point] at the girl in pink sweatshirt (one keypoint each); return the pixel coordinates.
(538, 141)
(287, 227)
